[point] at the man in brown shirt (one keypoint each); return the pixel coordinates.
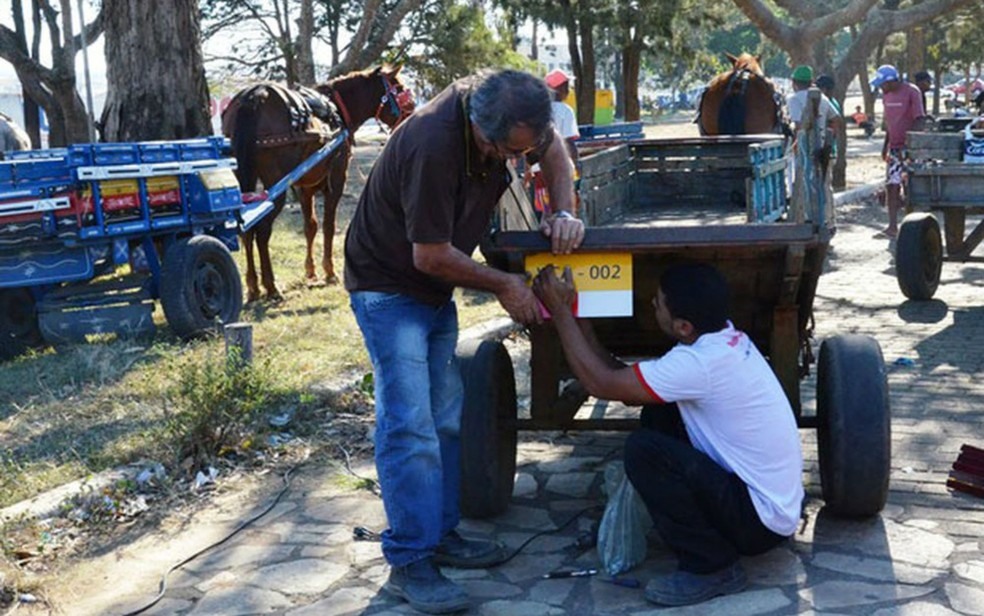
(426, 205)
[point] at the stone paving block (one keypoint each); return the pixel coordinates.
(916, 608)
(842, 594)
(880, 569)
(240, 601)
(344, 601)
(307, 576)
(519, 608)
(965, 599)
(972, 570)
(525, 486)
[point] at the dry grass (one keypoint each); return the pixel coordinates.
(67, 413)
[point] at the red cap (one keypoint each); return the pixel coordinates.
(556, 78)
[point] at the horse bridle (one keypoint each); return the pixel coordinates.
(398, 97)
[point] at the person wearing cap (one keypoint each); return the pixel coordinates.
(564, 121)
(903, 107)
(802, 78)
(924, 81)
(424, 209)
(796, 103)
(566, 124)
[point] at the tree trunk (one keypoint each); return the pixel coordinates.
(305, 35)
(157, 87)
(631, 60)
(586, 80)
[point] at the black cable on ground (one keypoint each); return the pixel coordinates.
(361, 533)
(163, 585)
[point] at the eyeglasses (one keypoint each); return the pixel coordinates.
(504, 151)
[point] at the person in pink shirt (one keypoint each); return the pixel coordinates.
(903, 106)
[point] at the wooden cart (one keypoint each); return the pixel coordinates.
(653, 203)
(941, 186)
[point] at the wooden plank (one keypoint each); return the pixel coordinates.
(742, 236)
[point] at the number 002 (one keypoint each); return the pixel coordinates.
(605, 272)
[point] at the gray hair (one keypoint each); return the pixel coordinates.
(502, 100)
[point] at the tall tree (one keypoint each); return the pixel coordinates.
(156, 75)
(267, 45)
(53, 87)
(455, 41)
(803, 27)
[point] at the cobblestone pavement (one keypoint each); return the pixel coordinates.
(924, 555)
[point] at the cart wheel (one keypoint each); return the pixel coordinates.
(19, 328)
(853, 428)
(200, 286)
(488, 428)
(919, 256)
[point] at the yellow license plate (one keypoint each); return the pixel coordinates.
(603, 280)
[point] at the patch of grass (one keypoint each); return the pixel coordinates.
(78, 410)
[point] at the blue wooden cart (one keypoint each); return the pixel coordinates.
(92, 234)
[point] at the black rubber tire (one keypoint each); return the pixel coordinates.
(19, 329)
(200, 286)
(854, 425)
(919, 256)
(488, 428)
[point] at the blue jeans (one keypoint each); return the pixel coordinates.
(419, 395)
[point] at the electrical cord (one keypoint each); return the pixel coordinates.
(361, 533)
(163, 584)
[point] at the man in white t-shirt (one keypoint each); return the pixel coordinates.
(718, 460)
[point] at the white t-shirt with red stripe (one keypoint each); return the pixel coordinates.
(735, 411)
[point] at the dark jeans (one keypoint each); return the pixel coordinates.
(702, 512)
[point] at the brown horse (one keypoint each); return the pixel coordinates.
(740, 101)
(274, 129)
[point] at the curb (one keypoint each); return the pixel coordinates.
(856, 194)
(47, 504)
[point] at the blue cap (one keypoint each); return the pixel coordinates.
(885, 72)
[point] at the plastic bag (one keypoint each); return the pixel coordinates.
(624, 525)
(973, 146)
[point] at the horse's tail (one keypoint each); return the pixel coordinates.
(244, 138)
(731, 115)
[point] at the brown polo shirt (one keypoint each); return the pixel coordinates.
(429, 185)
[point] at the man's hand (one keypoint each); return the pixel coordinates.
(519, 301)
(556, 294)
(564, 230)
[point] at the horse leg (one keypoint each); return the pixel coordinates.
(252, 287)
(263, 232)
(334, 188)
(310, 214)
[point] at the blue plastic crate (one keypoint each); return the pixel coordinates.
(202, 149)
(16, 173)
(158, 152)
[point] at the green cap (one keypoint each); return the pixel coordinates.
(803, 73)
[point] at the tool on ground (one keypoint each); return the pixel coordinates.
(968, 472)
(569, 574)
(361, 533)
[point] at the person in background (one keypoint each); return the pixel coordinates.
(566, 124)
(924, 81)
(861, 119)
(802, 79)
(826, 85)
(718, 460)
(427, 203)
(903, 107)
